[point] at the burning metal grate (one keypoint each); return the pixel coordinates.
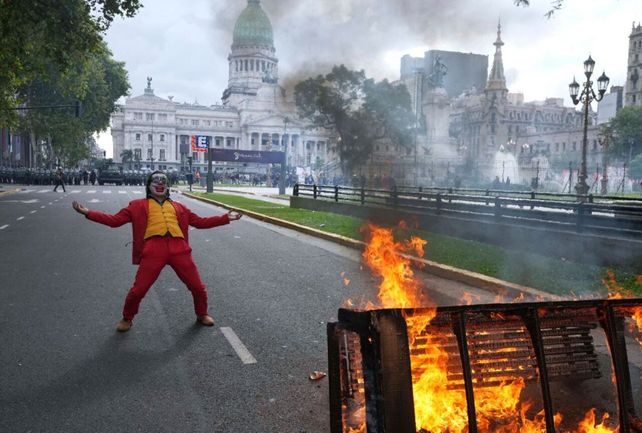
(560, 361)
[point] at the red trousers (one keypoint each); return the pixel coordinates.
(158, 252)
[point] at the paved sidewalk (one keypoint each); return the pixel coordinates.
(269, 194)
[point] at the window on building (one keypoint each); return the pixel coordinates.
(229, 142)
(161, 155)
(594, 144)
(149, 116)
(137, 137)
(229, 124)
(207, 122)
(138, 154)
(162, 117)
(138, 116)
(162, 137)
(195, 122)
(564, 146)
(574, 146)
(149, 154)
(195, 156)
(149, 137)
(557, 147)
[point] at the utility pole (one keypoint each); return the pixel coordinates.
(570, 175)
(284, 172)
(210, 175)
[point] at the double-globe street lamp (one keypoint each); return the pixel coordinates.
(586, 97)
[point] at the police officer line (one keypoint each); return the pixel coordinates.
(78, 191)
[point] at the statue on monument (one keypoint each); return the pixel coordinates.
(439, 70)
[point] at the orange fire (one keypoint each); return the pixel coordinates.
(440, 408)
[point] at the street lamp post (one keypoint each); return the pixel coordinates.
(152, 147)
(586, 97)
(282, 181)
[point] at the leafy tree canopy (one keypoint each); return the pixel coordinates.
(39, 37)
(626, 131)
(360, 110)
(555, 6)
(635, 170)
(97, 83)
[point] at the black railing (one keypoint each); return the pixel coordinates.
(598, 215)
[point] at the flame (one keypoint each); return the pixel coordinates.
(440, 407)
(589, 424)
(388, 259)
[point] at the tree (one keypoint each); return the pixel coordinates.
(39, 37)
(555, 6)
(97, 83)
(635, 168)
(626, 129)
(360, 110)
(126, 156)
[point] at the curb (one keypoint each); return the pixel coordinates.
(500, 287)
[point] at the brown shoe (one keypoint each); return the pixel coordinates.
(205, 320)
(123, 325)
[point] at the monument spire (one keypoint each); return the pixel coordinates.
(496, 80)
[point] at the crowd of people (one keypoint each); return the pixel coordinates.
(45, 176)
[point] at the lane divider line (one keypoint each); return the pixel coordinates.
(4, 226)
(33, 211)
(238, 346)
(20, 218)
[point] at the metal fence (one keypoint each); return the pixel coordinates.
(608, 215)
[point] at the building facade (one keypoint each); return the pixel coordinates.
(255, 113)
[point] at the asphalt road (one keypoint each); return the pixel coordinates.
(272, 291)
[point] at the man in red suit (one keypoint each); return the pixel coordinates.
(160, 228)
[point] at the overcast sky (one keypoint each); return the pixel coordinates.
(185, 49)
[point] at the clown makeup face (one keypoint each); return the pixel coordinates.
(159, 186)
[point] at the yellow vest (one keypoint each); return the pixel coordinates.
(161, 220)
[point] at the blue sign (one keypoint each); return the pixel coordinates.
(237, 155)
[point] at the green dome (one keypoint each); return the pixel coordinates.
(253, 26)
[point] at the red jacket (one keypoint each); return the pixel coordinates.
(136, 213)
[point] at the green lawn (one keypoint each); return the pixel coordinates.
(549, 274)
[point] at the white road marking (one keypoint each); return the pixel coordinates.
(76, 191)
(94, 200)
(107, 191)
(42, 207)
(43, 190)
(122, 192)
(20, 218)
(4, 226)
(33, 211)
(138, 192)
(26, 191)
(91, 191)
(50, 203)
(238, 346)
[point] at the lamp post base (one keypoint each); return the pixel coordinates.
(581, 188)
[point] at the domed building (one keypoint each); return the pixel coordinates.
(255, 114)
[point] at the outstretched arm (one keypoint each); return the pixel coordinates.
(213, 221)
(122, 217)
